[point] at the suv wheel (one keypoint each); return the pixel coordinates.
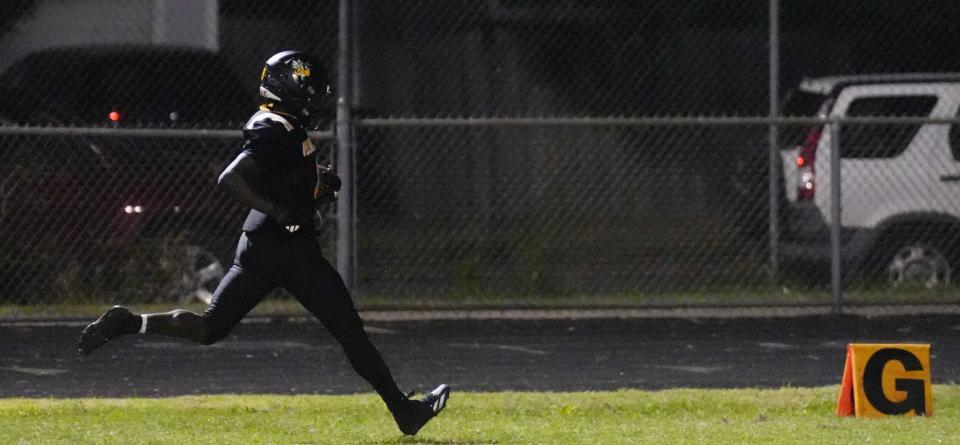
(919, 265)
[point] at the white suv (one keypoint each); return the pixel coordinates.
(900, 187)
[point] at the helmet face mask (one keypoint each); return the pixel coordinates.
(300, 85)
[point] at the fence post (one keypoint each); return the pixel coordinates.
(836, 282)
(345, 167)
(774, 145)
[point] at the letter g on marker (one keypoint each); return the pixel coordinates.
(873, 382)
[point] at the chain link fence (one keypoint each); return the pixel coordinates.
(112, 218)
(556, 210)
(505, 152)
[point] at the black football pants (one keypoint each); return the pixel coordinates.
(267, 260)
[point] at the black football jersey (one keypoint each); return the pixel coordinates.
(288, 169)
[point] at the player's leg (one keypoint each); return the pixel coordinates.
(240, 290)
(237, 294)
(318, 286)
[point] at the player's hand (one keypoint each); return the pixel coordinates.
(328, 184)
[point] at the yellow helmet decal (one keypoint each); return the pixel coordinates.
(300, 69)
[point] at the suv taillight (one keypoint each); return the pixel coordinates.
(806, 159)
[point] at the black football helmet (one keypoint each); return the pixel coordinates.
(300, 84)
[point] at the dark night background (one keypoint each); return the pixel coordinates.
(576, 57)
(566, 209)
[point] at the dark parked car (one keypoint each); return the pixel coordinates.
(135, 217)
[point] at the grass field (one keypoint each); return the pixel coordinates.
(785, 416)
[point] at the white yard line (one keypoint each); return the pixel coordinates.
(35, 371)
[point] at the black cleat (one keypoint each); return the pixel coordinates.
(412, 415)
(111, 324)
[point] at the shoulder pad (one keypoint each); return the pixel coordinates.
(261, 116)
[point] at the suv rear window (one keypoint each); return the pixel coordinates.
(799, 104)
(802, 104)
(874, 141)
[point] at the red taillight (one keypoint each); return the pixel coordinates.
(806, 188)
(808, 150)
(114, 116)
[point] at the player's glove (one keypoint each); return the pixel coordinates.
(328, 184)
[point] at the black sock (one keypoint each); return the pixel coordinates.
(393, 399)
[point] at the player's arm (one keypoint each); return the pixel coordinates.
(240, 178)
